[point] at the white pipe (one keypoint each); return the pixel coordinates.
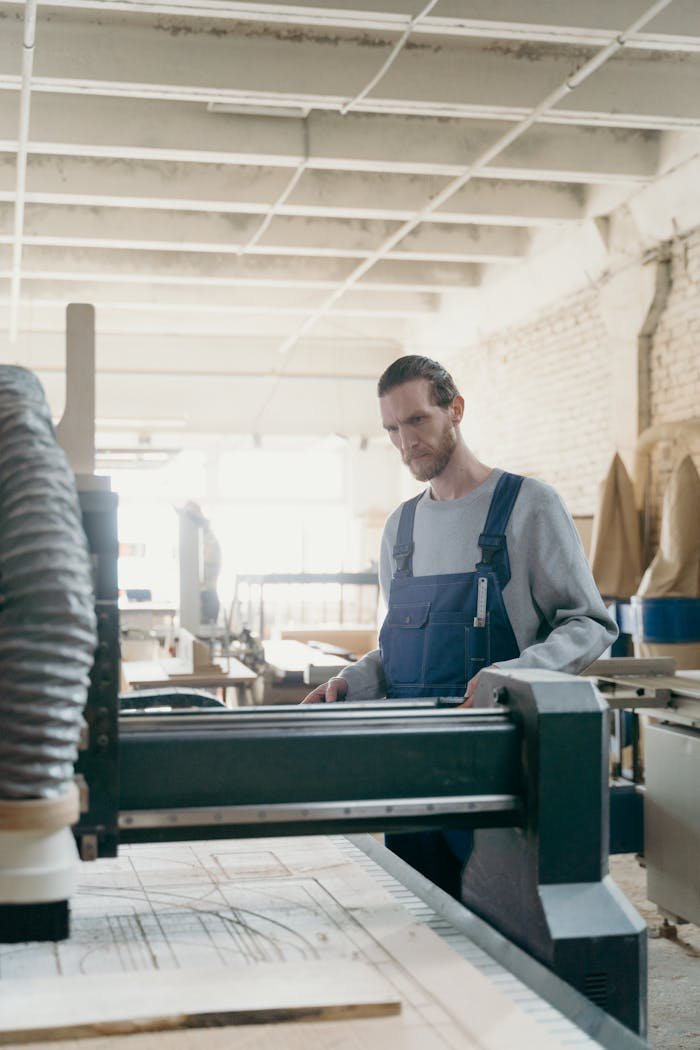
(283, 197)
(22, 140)
(456, 184)
(47, 618)
(397, 49)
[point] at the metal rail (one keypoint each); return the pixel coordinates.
(389, 714)
(285, 813)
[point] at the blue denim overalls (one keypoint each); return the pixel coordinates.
(438, 633)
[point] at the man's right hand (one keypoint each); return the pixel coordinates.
(328, 693)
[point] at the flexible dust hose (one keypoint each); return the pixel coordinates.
(47, 619)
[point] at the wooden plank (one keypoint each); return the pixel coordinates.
(378, 1033)
(456, 990)
(627, 666)
(88, 1005)
(487, 1018)
(675, 685)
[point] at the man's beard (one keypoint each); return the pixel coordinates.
(431, 465)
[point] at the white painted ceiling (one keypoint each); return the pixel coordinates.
(267, 201)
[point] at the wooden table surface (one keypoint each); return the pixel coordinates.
(163, 674)
(154, 674)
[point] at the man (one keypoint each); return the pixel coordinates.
(483, 568)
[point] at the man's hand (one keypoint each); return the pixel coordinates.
(469, 695)
(328, 693)
(471, 686)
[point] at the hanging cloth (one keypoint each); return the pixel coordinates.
(616, 543)
(675, 570)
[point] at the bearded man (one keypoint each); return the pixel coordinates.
(484, 568)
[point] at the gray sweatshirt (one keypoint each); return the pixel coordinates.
(558, 617)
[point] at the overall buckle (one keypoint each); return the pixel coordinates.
(402, 558)
(490, 546)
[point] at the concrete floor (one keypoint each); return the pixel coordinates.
(674, 966)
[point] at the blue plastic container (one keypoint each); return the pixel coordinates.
(666, 621)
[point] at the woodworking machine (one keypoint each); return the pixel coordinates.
(529, 773)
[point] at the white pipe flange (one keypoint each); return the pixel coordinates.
(38, 856)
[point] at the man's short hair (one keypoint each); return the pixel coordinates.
(443, 387)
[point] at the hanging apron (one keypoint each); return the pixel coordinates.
(438, 633)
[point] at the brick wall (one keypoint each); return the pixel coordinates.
(539, 399)
(675, 364)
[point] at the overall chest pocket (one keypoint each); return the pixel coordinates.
(446, 651)
(402, 641)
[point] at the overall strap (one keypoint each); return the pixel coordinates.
(494, 553)
(403, 548)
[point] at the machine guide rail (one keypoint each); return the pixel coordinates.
(338, 767)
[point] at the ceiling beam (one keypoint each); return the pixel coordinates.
(248, 332)
(108, 183)
(594, 22)
(242, 354)
(253, 328)
(249, 65)
(193, 271)
(139, 373)
(213, 406)
(227, 301)
(157, 230)
(180, 132)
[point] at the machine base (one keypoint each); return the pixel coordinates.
(34, 922)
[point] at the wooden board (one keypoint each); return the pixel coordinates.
(74, 1007)
(251, 904)
(379, 1033)
(676, 685)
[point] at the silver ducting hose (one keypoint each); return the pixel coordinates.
(47, 619)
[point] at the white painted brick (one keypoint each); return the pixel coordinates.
(552, 382)
(544, 401)
(675, 362)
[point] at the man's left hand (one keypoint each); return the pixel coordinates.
(469, 695)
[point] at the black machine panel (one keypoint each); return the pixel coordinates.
(98, 762)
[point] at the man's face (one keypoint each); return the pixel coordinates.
(424, 433)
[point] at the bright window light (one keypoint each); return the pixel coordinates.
(277, 510)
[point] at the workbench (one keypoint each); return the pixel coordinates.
(294, 668)
(293, 913)
(146, 614)
(234, 679)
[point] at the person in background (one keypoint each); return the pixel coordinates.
(209, 564)
(483, 568)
